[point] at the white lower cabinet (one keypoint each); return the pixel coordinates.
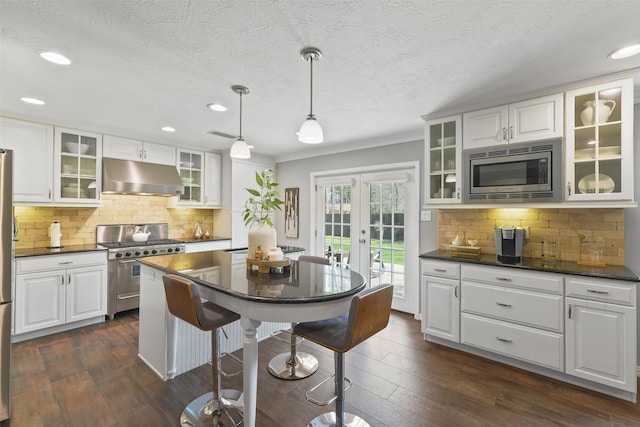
(441, 299)
(517, 314)
(601, 332)
(58, 290)
(574, 328)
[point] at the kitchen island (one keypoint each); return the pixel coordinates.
(301, 292)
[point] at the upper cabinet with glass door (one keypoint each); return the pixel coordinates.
(190, 167)
(78, 166)
(443, 154)
(599, 142)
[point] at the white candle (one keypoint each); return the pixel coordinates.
(275, 254)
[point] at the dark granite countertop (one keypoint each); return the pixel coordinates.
(67, 249)
(564, 267)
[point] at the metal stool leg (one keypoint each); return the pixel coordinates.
(338, 418)
(293, 365)
(220, 408)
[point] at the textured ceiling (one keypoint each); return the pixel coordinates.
(140, 65)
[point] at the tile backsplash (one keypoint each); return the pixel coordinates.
(78, 224)
(572, 228)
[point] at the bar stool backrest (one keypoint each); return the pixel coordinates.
(184, 301)
(314, 259)
(368, 315)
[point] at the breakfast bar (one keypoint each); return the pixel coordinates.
(300, 292)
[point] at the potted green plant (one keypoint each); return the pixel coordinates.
(258, 213)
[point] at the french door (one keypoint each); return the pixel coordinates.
(368, 222)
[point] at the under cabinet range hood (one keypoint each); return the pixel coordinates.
(131, 177)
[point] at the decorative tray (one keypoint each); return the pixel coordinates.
(266, 266)
(465, 251)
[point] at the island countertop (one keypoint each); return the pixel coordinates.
(299, 282)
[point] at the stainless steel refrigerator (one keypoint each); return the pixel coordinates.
(6, 299)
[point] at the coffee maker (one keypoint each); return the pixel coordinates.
(509, 242)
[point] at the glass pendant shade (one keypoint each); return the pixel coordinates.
(311, 131)
(240, 150)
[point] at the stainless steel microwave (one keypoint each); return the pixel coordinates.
(510, 173)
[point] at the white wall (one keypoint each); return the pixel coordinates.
(296, 173)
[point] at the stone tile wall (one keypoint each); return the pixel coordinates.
(78, 224)
(568, 226)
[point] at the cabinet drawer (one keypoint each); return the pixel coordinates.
(539, 281)
(614, 291)
(529, 308)
(441, 269)
(520, 342)
(58, 262)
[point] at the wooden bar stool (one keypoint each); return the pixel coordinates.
(295, 364)
(369, 314)
(215, 408)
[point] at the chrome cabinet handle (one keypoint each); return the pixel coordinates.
(65, 263)
(593, 291)
(504, 279)
(455, 291)
(502, 304)
(510, 132)
(570, 309)
(62, 279)
(503, 340)
(440, 270)
(569, 188)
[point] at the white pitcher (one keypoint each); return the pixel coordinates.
(603, 107)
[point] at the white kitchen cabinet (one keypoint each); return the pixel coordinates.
(191, 168)
(78, 167)
(207, 245)
(441, 299)
(601, 331)
(213, 179)
(58, 292)
(32, 145)
(129, 149)
(530, 120)
(513, 313)
(599, 143)
(443, 152)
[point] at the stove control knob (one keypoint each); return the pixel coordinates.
(169, 250)
(127, 254)
(146, 252)
(137, 253)
(119, 255)
(178, 249)
(154, 251)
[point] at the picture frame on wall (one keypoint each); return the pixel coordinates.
(291, 212)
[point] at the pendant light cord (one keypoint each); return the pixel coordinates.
(240, 115)
(311, 88)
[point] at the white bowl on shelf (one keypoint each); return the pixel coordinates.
(449, 140)
(72, 147)
(187, 180)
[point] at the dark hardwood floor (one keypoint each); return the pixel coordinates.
(93, 377)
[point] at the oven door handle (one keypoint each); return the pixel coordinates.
(127, 261)
(137, 294)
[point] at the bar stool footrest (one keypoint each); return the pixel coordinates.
(287, 340)
(331, 393)
(232, 357)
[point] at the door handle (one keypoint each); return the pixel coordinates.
(362, 240)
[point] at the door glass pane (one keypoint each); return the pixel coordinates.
(337, 224)
(386, 228)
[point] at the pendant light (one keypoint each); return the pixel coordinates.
(240, 149)
(311, 131)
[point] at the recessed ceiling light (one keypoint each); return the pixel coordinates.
(217, 107)
(55, 57)
(168, 129)
(34, 101)
(625, 52)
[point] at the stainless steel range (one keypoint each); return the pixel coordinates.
(123, 269)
